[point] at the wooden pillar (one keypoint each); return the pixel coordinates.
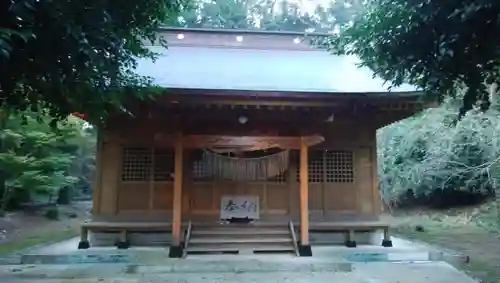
(377, 198)
(176, 249)
(304, 246)
(96, 185)
(152, 178)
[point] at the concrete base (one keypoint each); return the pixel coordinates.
(338, 238)
(176, 251)
(163, 239)
(190, 271)
(387, 243)
(136, 239)
(350, 244)
(83, 245)
(122, 245)
(304, 250)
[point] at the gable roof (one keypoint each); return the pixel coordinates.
(216, 67)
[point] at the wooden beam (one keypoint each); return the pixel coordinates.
(177, 194)
(205, 94)
(304, 195)
(201, 141)
(282, 104)
(213, 141)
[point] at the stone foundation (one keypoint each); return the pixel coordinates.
(152, 239)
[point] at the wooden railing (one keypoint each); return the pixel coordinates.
(294, 237)
(186, 238)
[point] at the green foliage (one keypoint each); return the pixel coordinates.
(269, 15)
(430, 44)
(76, 56)
(429, 153)
(82, 148)
(36, 161)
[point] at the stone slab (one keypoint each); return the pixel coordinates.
(372, 272)
(78, 259)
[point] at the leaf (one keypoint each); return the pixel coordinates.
(59, 52)
(428, 44)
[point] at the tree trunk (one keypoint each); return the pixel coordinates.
(4, 115)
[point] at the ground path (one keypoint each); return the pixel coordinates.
(436, 272)
(328, 265)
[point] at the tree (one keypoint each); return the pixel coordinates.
(81, 146)
(76, 56)
(438, 160)
(35, 159)
(269, 15)
(432, 44)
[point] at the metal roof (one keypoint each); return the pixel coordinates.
(260, 70)
(243, 31)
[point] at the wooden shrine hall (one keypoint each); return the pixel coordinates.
(259, 142)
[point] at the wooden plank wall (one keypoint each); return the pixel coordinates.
(202, 199)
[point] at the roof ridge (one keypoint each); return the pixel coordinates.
(243, 31)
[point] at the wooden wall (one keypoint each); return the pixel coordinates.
(201, 199)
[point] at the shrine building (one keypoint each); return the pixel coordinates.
(258, 142)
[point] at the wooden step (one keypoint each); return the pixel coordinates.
(230, 240)
(217, 232)
(240, 239)
(241, 225)
(271, 237)
(240, 248)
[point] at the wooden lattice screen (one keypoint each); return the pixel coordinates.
(137, 164)
(339, 166)
(280, 179)
(335, 166)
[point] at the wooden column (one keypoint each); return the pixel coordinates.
(175, 248)
(96, 185)
(304, 247)
(152, 179)
(377, 201)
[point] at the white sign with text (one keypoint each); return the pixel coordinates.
(239, 207)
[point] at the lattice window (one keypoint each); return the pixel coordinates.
(335, 166)
(281, 178)
(164, 160)
(199, 170)
(136, 164)
(339, 166)
(314, 166)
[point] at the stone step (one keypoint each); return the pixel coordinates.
(215, 266)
